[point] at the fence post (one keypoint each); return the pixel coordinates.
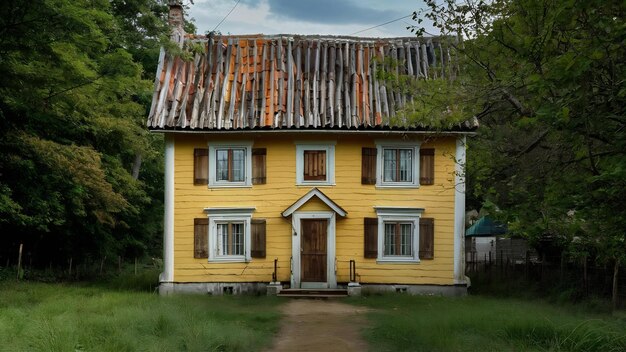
(585, 282)
(543, 259)
(485, 263)
(615, 283)
(562, 276)
(102, 264)
(526, 263)
(19, 261)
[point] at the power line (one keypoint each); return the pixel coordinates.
(382, 24)
(225, 17)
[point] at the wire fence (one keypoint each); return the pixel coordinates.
(576, 278)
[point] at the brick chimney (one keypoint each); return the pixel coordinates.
(176, 20)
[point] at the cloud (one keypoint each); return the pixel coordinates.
(331, 11)
(258, 16)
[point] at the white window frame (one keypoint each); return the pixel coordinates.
(415, 167)
(213, 147)
(329, 147)
(227, 215)
(398, 214)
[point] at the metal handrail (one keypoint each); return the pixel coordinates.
(275, 273)
(352, 270)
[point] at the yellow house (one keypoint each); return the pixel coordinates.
(287, 166)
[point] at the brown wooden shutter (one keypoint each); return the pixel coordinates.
(314, 165)
(258, 166)
(368, 166)
(427, 166)
(257, 232)
(201, 238)
(427, 238)
(200, 166)
(371, 237)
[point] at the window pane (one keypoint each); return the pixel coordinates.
(405, 165)
(237, 232)
(397, 165)
(238, 165)
(230, 239)
(398, 239)
(222, 165)
(389, 165)
(231, 165)
(390, 236)
(407, 239)
(222, 239)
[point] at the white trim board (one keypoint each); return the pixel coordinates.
(459, 212)
(296, 238)
(321, 196)
(229, 210)
(168, 217)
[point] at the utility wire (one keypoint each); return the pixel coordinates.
(225, 17)
(382, 24)
(425, 31)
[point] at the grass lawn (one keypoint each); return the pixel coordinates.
(57, 317)
(421, 323)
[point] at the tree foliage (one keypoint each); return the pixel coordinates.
(551, 151)
(75, 80)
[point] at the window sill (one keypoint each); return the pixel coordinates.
(213, 186)
(305, 184)
(229, 260)
(397, 261)
(399, 185)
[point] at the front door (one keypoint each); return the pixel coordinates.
(313, 251)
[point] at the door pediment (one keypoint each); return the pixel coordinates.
(313, 200)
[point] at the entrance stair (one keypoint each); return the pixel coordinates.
(313, 293)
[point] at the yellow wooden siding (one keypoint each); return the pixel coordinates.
(280, 191)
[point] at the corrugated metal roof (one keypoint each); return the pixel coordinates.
(294, 82)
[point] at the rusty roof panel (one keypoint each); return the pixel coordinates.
(293, 82)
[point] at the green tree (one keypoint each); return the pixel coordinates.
(73, 97)
(549, 76)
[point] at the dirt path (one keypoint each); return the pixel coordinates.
(320, 325)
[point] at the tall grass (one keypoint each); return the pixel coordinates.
(418, 323)
(57, 317)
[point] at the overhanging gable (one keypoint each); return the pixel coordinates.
(321, 196)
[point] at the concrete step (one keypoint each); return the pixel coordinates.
(313, 293)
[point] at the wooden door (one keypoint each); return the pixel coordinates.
(313, 251)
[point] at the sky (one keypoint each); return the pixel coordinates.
(334, 17)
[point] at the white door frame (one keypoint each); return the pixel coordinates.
(296, 238)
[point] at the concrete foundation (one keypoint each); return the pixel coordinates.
(429, 290)
(214, 288)
(273, 288)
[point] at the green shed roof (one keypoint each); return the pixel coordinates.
(485, 227)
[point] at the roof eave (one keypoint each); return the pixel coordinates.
(318, 131)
